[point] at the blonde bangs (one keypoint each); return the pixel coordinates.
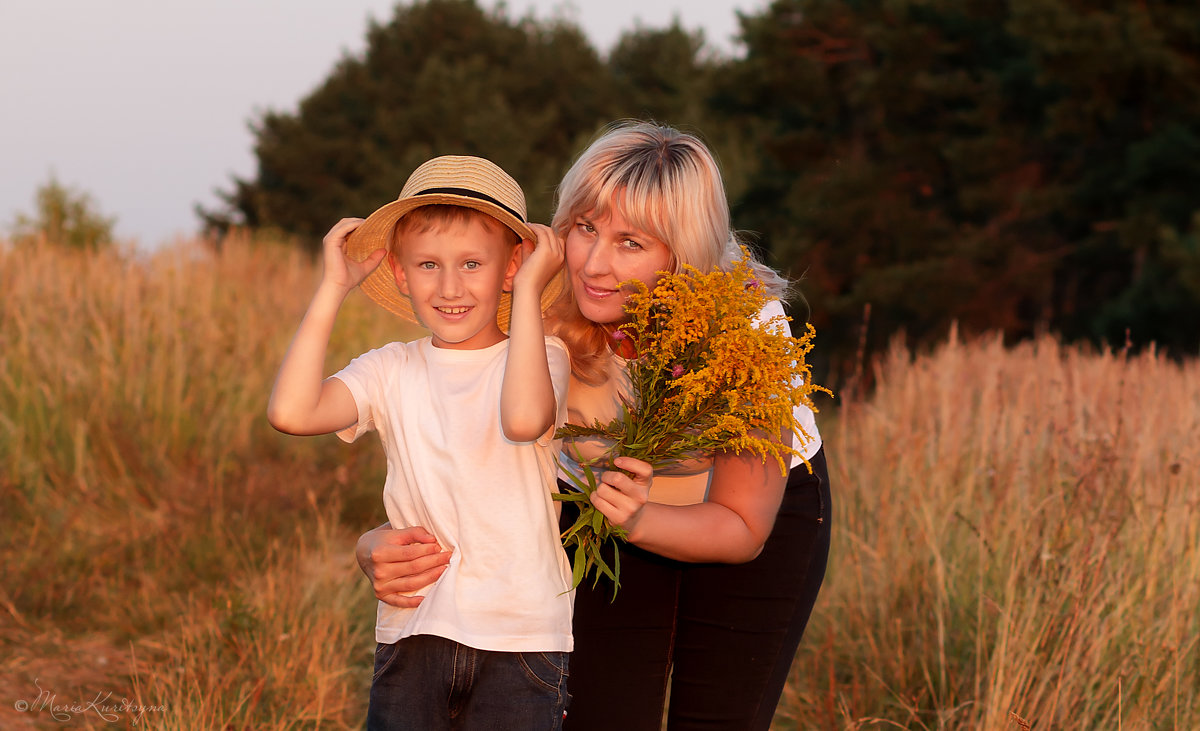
(666, 184)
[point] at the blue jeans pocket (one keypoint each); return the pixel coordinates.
(385, 655)
(546, 669)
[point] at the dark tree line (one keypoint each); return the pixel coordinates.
(1025, 165)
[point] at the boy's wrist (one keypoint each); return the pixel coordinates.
(331, 288)
(330, 293)
(526, 292)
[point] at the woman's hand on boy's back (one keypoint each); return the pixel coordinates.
(341, 271)
(540, 260)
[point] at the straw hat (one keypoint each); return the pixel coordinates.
(471, 182)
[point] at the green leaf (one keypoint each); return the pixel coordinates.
(616, 569)
(572, 497)
(578, 566)
(597, 518)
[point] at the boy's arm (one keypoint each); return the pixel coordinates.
(527, 403)
(302, 401)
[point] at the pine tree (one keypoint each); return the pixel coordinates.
(979, 161)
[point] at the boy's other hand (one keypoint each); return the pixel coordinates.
(399, 561)
(540, 262)
(341, 271)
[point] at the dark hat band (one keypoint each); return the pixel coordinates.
(468, 193)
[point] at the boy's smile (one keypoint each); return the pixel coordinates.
(454, 274)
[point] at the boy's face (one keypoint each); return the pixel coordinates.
(454, 274)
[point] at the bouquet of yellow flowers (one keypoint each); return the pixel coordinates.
(706, 377)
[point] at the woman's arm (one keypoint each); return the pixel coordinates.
(398, 561)
(731, 526)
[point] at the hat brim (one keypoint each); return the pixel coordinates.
(376, 233)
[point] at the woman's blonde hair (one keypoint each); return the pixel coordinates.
(667, 184)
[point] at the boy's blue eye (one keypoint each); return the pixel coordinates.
(471, 265)
(426, 265)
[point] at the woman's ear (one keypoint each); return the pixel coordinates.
(398, 273)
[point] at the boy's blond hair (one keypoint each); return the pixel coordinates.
(442, 216)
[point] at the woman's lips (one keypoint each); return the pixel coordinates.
(598, 292)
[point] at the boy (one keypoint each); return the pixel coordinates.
(466, 417)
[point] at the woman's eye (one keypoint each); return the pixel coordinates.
(586, 227)
(631, 244)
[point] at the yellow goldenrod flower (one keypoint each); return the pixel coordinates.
(707, 377)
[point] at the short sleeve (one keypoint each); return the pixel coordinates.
(366, 378)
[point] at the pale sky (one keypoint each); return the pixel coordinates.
(144, 104)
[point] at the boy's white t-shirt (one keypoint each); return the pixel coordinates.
(451, 470)
(685, 484)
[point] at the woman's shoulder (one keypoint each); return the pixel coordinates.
(773, 308)
(773, 315)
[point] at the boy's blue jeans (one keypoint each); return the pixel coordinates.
(429, 683)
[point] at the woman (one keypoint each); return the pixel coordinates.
(714, 596)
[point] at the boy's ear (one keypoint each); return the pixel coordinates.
(514, 263)
(398, 273)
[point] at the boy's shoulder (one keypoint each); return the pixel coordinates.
(391, 355)
(398, 347)
(421, 347)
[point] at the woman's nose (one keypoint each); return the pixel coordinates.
(597, 262)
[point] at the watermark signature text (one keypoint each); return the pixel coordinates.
(103, 706)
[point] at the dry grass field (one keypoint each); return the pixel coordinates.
(1016, 536)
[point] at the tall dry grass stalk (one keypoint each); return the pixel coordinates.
(1016, 533)
(158, 536)
(1017, 544)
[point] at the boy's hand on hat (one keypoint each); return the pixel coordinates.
(540, 261)
(340, 270)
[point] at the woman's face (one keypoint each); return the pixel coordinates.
(603, 252)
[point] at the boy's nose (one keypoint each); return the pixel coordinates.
(450, 283)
